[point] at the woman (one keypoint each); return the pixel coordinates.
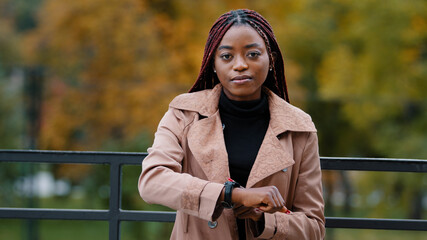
(236, 122)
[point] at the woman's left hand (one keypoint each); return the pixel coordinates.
(243, 212)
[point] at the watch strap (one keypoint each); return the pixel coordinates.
(229, 186)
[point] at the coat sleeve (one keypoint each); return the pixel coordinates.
(162, 181)
(307, 218)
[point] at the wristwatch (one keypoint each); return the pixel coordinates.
(229, 185)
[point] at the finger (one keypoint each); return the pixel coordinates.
(282, 200)
(270, 199)
(274, 207)
(275, 197)
(272, 210)
(279, 203)
(267, 208)
(279, 198)
(285, 210)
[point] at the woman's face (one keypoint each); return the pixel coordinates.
(242, 63)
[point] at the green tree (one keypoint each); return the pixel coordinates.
(364, 66)
(376, 67)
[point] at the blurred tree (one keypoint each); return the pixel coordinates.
(375, 65)
(113, 68)
(11, 82)
(12, 130)
(120, 64)
(369, 60)
(363, 67)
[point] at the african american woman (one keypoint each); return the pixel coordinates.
(232, 156)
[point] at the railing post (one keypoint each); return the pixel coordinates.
(115, 200)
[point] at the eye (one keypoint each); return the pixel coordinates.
(225, 56)
(254, 54)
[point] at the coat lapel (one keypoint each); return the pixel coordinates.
(272, 157)
(275, 155)
(205, 138)
(206, 142)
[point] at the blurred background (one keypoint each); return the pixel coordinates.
(97, 75)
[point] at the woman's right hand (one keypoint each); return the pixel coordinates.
(268, 199)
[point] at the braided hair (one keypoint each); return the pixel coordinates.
(275, 81)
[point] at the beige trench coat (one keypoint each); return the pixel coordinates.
(187, 166)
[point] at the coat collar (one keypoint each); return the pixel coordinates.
(206, 139)
(205, 102)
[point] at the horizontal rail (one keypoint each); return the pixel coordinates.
(163, 216)
(327, 163)
(71, 157)
(85, 214)
(373, 164)
(150, 216)
(60, 214)
(377, 223)
(115, 214)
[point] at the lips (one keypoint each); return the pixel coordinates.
(241, 78)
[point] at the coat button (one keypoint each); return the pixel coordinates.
(212, 224)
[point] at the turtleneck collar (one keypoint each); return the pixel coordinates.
(251, 108)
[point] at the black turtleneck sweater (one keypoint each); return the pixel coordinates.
(244, 124)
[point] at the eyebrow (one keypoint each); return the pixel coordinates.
(247, 46)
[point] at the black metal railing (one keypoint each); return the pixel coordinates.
(114, 215)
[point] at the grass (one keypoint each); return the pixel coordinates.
(54, 229)
(365, 234)
(94, 230)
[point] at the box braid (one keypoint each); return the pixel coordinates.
(275, 81)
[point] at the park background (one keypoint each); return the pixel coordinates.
(97, 75)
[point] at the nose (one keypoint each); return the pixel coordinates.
(240, 64)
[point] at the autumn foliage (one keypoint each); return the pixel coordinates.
(111, 67)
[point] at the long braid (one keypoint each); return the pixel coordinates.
(215, 35)
(275, 81)
(262, 34)
(280, 84)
